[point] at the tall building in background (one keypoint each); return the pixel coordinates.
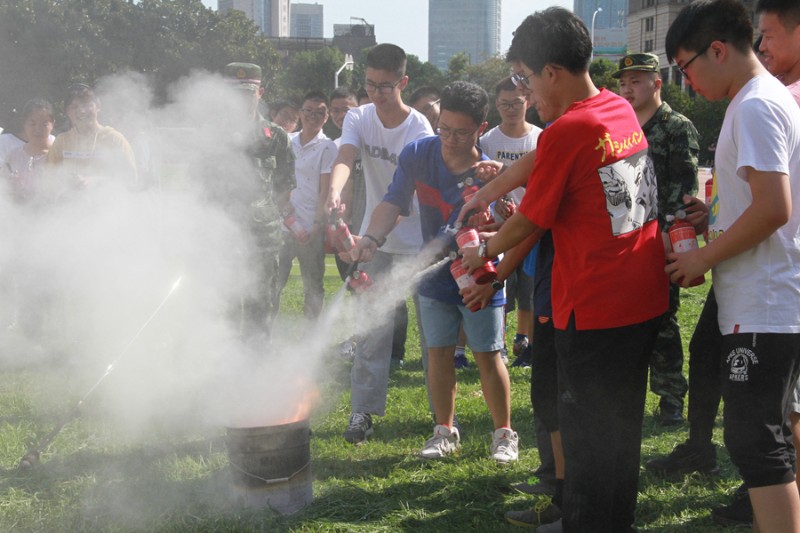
(306, 21)
(272, 16)
(455, 26)
(610, 23)
(648, 22)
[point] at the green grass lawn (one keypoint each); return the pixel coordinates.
(95, 477)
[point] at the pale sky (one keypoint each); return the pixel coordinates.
(407, 26)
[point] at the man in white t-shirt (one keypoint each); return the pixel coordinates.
(379, 131)
(314, 153)
(507, 143)
(754, 227)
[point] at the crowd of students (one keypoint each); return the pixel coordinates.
(597, 298)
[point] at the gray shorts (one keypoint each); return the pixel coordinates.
(440, 322)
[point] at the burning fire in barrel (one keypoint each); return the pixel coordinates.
(271, 464)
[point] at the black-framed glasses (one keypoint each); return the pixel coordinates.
(520, 80)
(458, 136)
(514, 104)
(698, 54)
(311, 113)
(383, 88)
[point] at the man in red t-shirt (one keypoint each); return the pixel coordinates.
(594, 187)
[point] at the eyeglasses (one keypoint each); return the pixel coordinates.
(383, 88)
(520, 80)
(458, 136)
(339, 110)
(514, 104)
(698, 54)
(310, 113)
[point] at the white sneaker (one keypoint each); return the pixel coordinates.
(444, 442)
(505, 445)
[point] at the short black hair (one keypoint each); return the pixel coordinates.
(425, 91)
(788, 11)
(389, 57)
(79, 91)
(315, 95)
(343, 92)
(277, 105)
(361, 94)
(556, 36)
(705, 21)
(506, 84)
(465, 97)
(36, 104)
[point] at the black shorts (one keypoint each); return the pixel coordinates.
(759, 372)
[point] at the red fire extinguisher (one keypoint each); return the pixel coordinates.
(294, 225)
(337, 233)
(358, 281)
(463, 278)
(683, 238)
(486, 273)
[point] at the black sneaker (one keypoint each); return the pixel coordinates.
(536, 486)
(669, 413)
(685, 458)
(359, 428)
(738, 513)
(544, 511)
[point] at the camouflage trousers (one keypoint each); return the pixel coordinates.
(256, 310)
(666, 365)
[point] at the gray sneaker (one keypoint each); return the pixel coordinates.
(359, 428)
(444, 442)
(505, 445)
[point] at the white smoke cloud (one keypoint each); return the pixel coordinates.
(81, 274)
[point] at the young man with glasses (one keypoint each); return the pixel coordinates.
(314, 154)
(507, 143)
(594, 187)
(436, 168)
(753, 233)
(426, 100)
(378, 131)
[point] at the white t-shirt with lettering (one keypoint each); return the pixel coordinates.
(379, 147)
(758, 291)
(500, 147)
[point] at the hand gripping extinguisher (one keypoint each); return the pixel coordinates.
(486, 273)
(337, 233)
(683, 238)
(463, 278)
(294, 225)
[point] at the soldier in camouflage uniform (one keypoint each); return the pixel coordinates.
(256, 196)
(674, 148)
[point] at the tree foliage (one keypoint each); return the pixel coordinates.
(49, 44)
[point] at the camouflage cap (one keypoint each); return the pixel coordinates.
(247, 75)
(643, 62)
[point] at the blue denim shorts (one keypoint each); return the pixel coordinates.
(440, 322)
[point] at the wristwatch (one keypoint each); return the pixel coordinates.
(482, 249)
(497, 285)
